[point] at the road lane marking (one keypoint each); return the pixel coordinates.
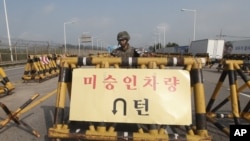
(244, 94)
(15, 68)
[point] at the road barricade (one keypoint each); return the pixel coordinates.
(245, 66)
(7, 87)
(231, 68)
(113, 98)
(40, 67)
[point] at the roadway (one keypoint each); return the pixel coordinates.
(41, 117)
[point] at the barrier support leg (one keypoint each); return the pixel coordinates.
(216, 90)
(233, 93)
(27, 71)
(63, 82)
(199, 98)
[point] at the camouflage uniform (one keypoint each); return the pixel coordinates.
(129, 52)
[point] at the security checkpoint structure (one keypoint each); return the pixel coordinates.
(118, 128)
(89, 117)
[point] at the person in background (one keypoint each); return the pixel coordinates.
(124, 49)
(228, 48)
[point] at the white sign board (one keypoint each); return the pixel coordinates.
(149, 96)
(86, 39)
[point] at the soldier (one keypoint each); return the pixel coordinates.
(125, 50)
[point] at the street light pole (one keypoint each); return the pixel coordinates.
(97, 44)
(194, 11)
(92, 43)
(64, 29)
(162, 27)
(8, 31)
(79, 45)
(164, 36)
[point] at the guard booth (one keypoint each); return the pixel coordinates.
(113, 98)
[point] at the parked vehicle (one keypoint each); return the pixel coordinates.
(213, 47)
(237, 47)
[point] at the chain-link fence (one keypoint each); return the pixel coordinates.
(21, 49)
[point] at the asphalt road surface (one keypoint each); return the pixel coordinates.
(40, 118)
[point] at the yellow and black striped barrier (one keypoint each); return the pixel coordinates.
(245, 66)
(15, 115)
(231, 69)
(40, 67)
(7, 87)
(89, 130)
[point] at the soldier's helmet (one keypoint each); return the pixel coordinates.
(123, 35)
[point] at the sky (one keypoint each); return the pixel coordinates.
(147, 21)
